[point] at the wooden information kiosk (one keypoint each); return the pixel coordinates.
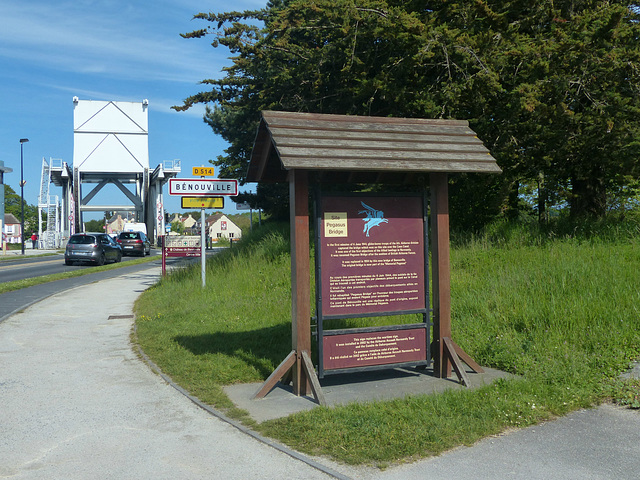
(315, 149)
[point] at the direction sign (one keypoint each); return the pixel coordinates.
(202, 187)
(181, 246)
(202, 202)
(203, 171)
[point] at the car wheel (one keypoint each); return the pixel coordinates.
(68, 262)
(119, 257)
(100, 260)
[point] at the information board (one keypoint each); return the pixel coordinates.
(372, 255)
(374, 348)
(182, 246)
(372, 261)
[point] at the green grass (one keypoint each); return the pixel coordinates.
(30, 282)
(561, 312)
(232, 331)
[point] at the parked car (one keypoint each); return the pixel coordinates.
(98, 248)
(134, 243)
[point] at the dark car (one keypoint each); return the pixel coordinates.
(134, 243)
(98, 248)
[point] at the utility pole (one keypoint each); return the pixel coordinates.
(22, 182)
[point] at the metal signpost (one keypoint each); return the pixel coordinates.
(246, 206)
(179, 246)
(202, 192)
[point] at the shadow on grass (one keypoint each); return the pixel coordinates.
(262, 349)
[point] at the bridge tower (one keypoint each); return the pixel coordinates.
(110, 146)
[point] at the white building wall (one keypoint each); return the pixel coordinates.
(224, 228)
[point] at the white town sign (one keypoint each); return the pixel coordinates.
(203, 187)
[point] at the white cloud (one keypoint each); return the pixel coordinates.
(160, 104)
(86, 38)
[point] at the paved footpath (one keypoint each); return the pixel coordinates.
(76, 403)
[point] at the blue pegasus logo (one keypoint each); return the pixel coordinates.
(373, 217)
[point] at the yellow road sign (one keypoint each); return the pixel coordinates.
(203, 171)
(202, 202)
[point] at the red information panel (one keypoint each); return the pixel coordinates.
(182, 246)
(183, 252)
(372, 254)
(374, 348)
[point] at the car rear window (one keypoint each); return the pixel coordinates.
(129, 235)
(82, 240)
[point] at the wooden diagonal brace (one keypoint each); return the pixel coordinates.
(313, 378)
(277, 374)
(464, 356)
(450, 352)
(284, 370)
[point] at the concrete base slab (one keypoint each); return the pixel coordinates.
(633, 372)
(353, 387)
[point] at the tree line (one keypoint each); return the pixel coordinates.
(12, 205)
(551, 87)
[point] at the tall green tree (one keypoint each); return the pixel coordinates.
(551, 86)
(12, 205)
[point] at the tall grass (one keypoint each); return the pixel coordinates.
(559, 310)
(562, 310)
(235, 330)
(618, 228)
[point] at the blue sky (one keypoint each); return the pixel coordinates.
(104, 50)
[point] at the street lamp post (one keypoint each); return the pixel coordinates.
(22, 142)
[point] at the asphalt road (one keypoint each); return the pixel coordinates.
(15, 301)
(19, 268)
(12, 302)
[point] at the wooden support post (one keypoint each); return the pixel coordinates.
(300, 274)
(440, 271)
(446, 352)
(298, 363)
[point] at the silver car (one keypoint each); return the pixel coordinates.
(98, 248)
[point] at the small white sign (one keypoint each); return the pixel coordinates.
(184, 241)
(335, 224)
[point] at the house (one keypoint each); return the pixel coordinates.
(11, 228)
(116, 223)
(219, 226)
(190, 225)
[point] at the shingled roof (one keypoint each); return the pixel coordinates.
(346, 148)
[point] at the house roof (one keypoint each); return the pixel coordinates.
(124, 215)
(214, 218)
(10, 219)
(364, 149)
